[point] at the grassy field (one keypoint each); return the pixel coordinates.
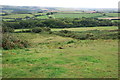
(76, 15)
(76, 58)
(88, 28)
(80, 15)
(65, 14)
(80, 28)
(17, 15)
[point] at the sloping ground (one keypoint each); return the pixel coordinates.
(53, 56)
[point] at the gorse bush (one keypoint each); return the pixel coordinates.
(7, 29)
(10, 41)
(41, 29)
(65, 31)
(37, 30)
(47, 29)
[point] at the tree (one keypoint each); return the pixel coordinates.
(104, 14)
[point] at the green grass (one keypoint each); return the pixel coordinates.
(95, 15)
(88, 28)
(77, 59)
(8, 19)
(17, 15)
(43, 17)
(65, 14)
(16, 30)
(80, 15)
(76, 15)
(80, 28)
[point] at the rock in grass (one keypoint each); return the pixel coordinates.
(60, 48)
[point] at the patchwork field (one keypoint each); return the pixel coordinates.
(53, 56)
(63, 15)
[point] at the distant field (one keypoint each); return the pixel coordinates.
(76, 15)
(80, 28)
(17, 16)
(88, 28)
(42, 17)
(86, 15)
(80, 15)
(65, 14)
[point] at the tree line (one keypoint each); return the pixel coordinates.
(60, 23)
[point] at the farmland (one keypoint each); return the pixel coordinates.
(86, 28)
(77, 59)
(80, 15)
(17, 16)
(79, 29)
(48, 42)
(63, 15)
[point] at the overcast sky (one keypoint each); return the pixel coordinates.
(63, 3)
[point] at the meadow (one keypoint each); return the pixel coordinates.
(54, 56)
(86, 28)
(79, 29)
(64, 15)
(17, 15)
(80, 15)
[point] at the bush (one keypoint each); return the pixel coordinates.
(37, 30)
(65, 31)
(69, 42)
(41, 29)
(10, 41)
(7, 29)
(46, 29)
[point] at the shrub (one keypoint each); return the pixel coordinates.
(41, 29)
(7, 29)
(46, 29)
(65, 31)
(69, 42)
(37, 30)
(10, 41)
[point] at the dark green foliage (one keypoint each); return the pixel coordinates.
(46, 29)
(60, 23)
(14, 25)
(37, 30)
(7, 29)
(41, 29)
(65, 31)
(69, 42)
(10, 41)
